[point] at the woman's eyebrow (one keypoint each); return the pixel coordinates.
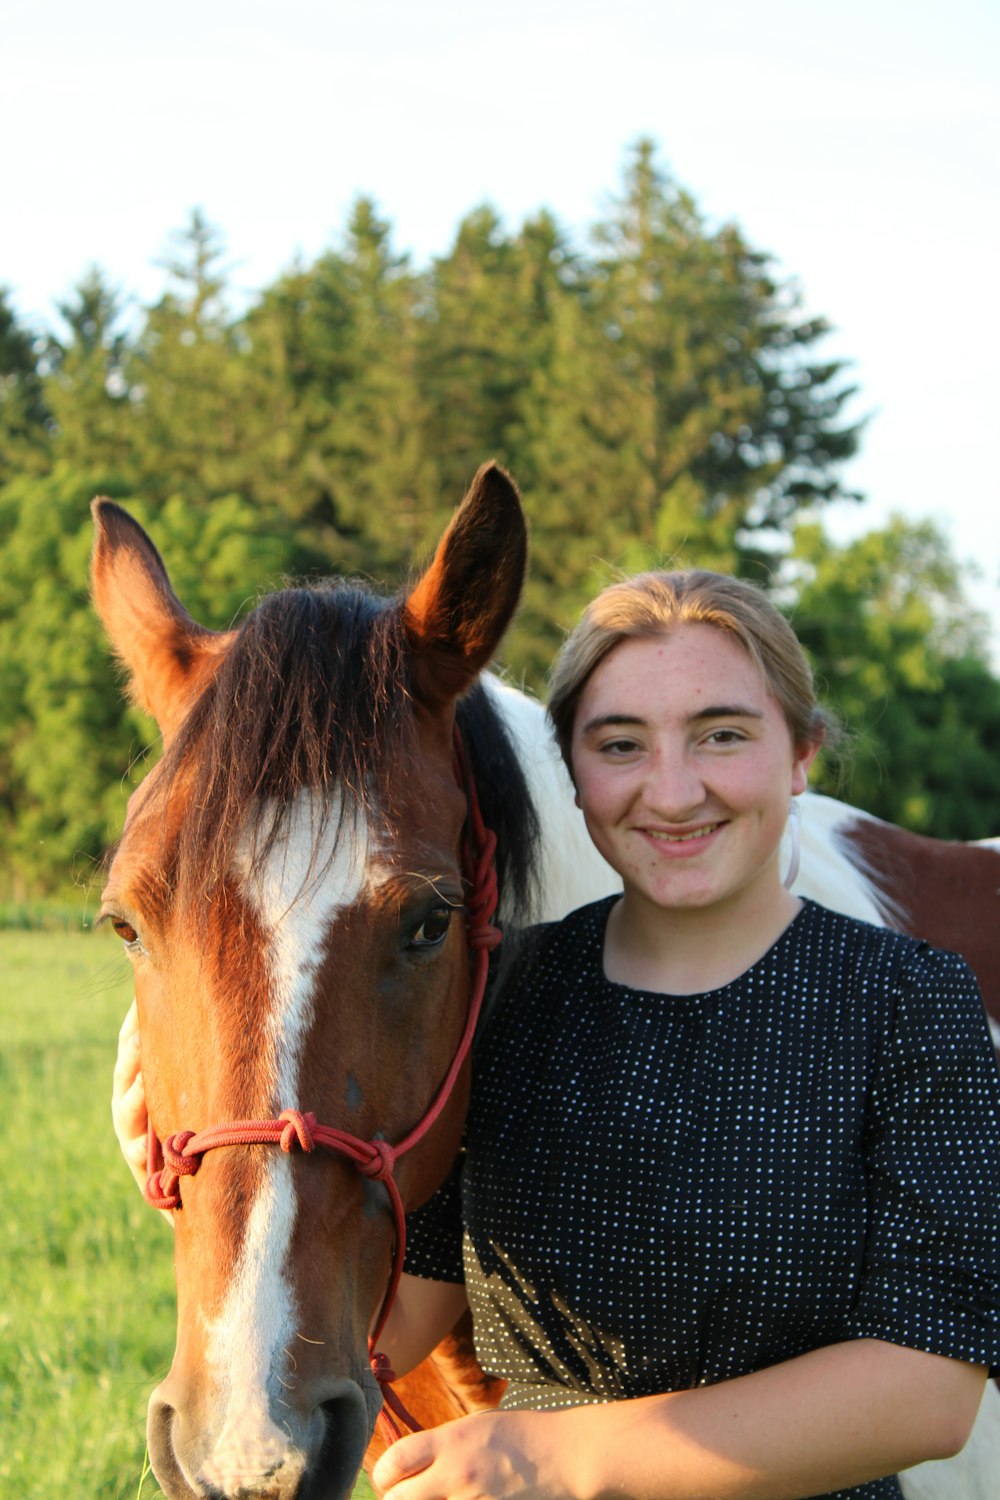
(604, 721)
(711, 711)
(726, 711)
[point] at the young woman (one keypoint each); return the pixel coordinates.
(728, 1215)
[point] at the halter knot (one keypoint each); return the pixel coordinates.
(380, 1164)
(156, 1195)
(174, 1158)
(381, 1367)
(299, 1130)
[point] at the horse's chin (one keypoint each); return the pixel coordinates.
(320, 1463)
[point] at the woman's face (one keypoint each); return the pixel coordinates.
(685, 769)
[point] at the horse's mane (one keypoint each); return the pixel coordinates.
(506, 803)
(315, 693)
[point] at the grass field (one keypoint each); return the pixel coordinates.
(87, 1312)
(86, 1320)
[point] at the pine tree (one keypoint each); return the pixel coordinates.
(86, 388)
(383, 483)
(734, 426)
(336, 347)
(198, 424)
(475, 341)
(25, 419)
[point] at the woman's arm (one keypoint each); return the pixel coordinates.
(828, 1419)
(423, 1313)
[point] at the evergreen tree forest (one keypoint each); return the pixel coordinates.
(658, 394)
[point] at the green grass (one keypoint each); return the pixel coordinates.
(86, 1321)
(87, 1311)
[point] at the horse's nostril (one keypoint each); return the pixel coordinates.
(163, 1460)
(345, 1438)
(320, 1462)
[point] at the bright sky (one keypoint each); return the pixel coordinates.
(859, 142)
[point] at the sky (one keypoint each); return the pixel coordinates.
(859, 143)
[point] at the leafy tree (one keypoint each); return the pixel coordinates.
(69, 743)
(62, 731)
(903, 661)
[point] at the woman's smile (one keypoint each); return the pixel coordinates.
(699, 835)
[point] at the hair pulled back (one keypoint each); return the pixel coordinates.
(654, 604)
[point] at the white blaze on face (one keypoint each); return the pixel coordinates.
(297, 893)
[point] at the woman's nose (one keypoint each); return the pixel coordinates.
(673, 789)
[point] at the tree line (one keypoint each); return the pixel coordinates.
(658, 393)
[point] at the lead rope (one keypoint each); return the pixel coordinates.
(181, 1153)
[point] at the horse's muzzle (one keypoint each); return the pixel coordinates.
(311, 1458)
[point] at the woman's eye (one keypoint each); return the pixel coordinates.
(433, 929)
(726, 737)
(619, 747)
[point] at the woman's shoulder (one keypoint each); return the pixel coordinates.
(889, 961)
(579, 932)
(552, 956)
(887, 942)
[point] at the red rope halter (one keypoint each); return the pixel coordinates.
(181, 1153)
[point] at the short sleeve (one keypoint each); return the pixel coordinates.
(434, 1232)
(931, 1277)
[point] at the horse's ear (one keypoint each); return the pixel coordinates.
(169, 657)
(456, 615)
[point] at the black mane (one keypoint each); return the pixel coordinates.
(315, 693)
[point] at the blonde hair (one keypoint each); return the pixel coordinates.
(653, 604)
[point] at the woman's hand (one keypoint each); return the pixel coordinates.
(128, 1098)
(489, 1456)
(128, 1102)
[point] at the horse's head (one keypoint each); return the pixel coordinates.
(289, 887)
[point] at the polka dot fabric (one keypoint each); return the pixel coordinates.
(660, 1192)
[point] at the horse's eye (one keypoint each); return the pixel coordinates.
(125, 930)
(433, 929)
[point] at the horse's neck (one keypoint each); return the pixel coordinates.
(573, 873)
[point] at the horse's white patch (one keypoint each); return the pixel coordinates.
(255, 1326)
(297, 892)
(833, 873)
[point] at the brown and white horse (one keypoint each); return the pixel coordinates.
(289, 886)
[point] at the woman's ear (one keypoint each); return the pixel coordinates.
(804, 756)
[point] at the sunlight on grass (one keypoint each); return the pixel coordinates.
(89, 1328)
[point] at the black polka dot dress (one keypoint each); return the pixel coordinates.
(660, 1192)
